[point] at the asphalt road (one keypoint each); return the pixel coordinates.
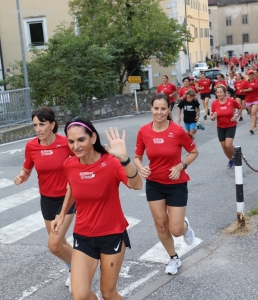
(30, 272)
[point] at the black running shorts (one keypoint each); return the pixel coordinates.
(174, 194)
(107, 244)
(224, 133)
(52, 206)
(241, 97)
(205, 95)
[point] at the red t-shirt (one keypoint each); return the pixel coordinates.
(206, 84)
(167, 89)
(164, 150)
(96, 194)
(253, 95)
(48, 161)
(239, 86)
(223, 82)
(225, 112)
(183, 90)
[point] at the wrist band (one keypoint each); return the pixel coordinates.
(131, 177)
(125, 163)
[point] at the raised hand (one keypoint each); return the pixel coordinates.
(117, 146)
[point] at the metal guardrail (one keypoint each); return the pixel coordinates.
(14, 107)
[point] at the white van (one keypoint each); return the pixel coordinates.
(200, 66)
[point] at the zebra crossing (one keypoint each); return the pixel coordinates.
(22, 228)
(25, 226)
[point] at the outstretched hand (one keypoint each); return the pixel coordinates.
(117, 146)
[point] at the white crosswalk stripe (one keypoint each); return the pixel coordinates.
(5, 183)
(18, 199)
(22, 228)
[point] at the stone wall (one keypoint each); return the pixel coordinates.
(115, 106)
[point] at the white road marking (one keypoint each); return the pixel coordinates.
(158, 253)
(5, 183)
(12, 151)
(132, 222)
(18, 199)
(137, 283)
(22, 228)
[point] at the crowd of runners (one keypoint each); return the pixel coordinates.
(78, 174)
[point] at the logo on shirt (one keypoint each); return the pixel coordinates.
(87, 175)
(46, 152)
(170, 134)
(103, 164)
(158, 141)
(223, 107)
(58, 146)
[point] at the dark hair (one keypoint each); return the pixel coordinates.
(203, 73)
(46, 114)
(97, 146)
(165, 76)
(220, 74)
(159, 97)
(186, 78)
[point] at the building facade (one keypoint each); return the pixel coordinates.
(233, 26)
(39, 21)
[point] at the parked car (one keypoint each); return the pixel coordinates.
(200, 66)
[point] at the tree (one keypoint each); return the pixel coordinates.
(139, 30)
(70, 71)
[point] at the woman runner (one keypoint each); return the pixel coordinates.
(205, 86)
(166, 179)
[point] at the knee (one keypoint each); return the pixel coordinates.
(161, 227)
(177, 231)
(54, 247)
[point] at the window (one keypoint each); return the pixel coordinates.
(244, 19)
(229, 39)
(228, 21)
(245, 38)
(35, 32)
(195, 4)
(211, 41)
(201, 32)
(195, 32)
(210, 25)
(206, 32)
(192, 3)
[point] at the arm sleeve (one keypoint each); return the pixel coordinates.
(185, 141)
(236, 104)
(181, 104)
(140, 147)
(28, 162)
(119, 171)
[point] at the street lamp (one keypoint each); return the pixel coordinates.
(27, 103)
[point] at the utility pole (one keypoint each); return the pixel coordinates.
(27, 103)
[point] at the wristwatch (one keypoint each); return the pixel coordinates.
(184, 165)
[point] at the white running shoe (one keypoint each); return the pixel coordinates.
(173, 265)
(68, 281)
(189, 234)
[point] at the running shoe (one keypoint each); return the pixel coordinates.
(208, 112)
(241, 119)
(173, 265)
(189, 234)
(200, 126)
(205, 117)
(233, 162)
(68, 281)
(252, 131)
(230, 164)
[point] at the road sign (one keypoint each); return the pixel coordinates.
(135, 86)
(135, 79)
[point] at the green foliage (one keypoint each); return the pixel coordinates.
(70, 71)
(138, 29)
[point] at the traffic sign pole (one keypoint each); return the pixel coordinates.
(136, 101)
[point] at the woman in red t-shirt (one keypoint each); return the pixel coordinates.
(240, 96)
(47, 152)
(168, 89)
(94, 175)
(250, 87)
(204, 86)
(221, 80)
(166, 179)
(223, 109)
(186, 86)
